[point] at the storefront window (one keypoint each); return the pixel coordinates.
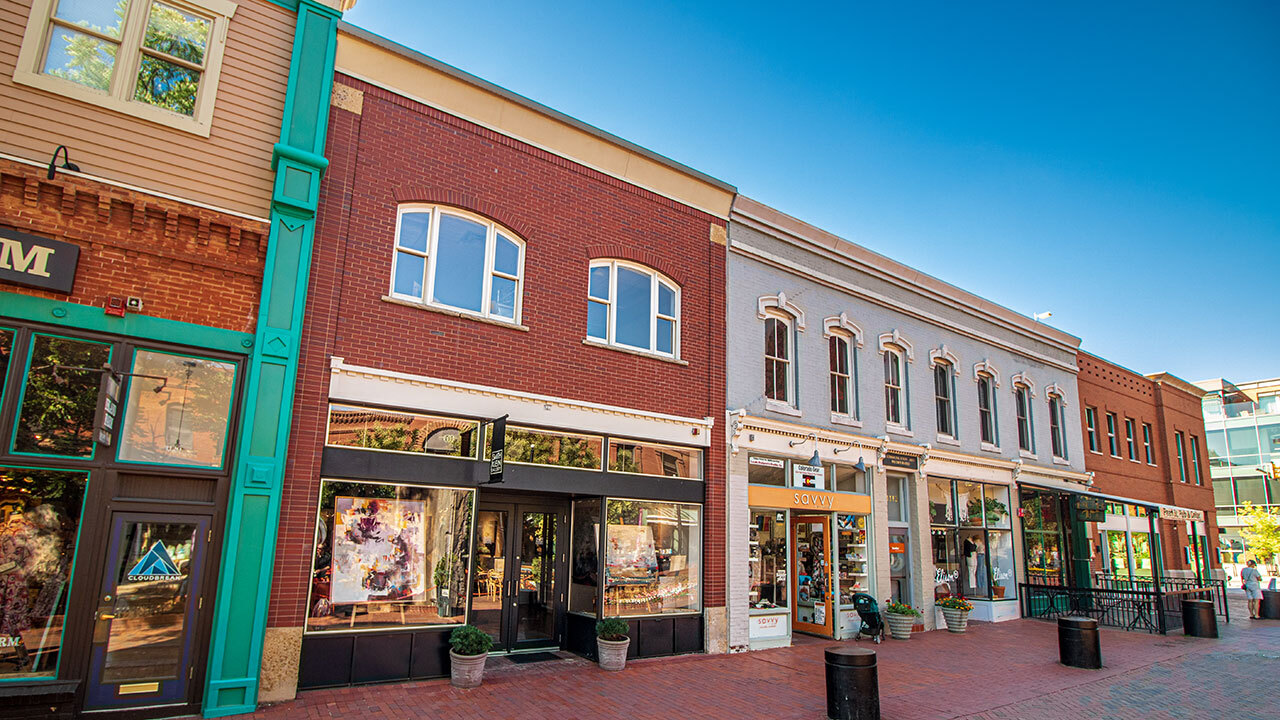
(969, 501)
(39, 522)
(627, 456)
(1117, 553)
(852, 556)
(546, 447)
(378, 429)
(1000, 556)
(763, 470)
(1142, 562)
(946, 563)
(389, 556)
(996, 506)
(6, 351)
(1042, 537)
(60, 397)
(767, 550)
(844, 478)
(973, 552)
(584, 586)
(941, 508)
(181, 413)
(895, 496)
(653, 563)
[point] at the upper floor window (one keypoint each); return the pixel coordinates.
(1057, 419)
(1022, 398)
(1112, 443)
(777, 359)
(841, 374)
(1130, 438)
(1182, 458)
(632, 306)
(943, 389)
(449, 258)
(986, 409)
(893, 386)
(155, 60)
(1146, 444)
(1091, 427)
(1195, 460)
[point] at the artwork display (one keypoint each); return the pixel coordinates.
(379, 550)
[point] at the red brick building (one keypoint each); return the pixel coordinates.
(1144, 438)
(481, 256)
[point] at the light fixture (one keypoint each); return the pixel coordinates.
(837, 451)
(66, 162)
(861, 466)
(815, 461)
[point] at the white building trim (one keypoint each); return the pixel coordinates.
(782, 304)
(842, 322)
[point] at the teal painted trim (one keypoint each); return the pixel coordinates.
(145, 327)
(22, 396)
(290, 5)
(253, 512)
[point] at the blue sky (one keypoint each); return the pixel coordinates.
(1119, 166)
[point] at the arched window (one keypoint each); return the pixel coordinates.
(777, 359)
(1057, 420)
(944, 403)
(893, 386)
(1022, 403)
(841, 374)
(986, 409)
(453, 259)
(632, 306)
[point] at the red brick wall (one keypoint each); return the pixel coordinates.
(187, 263)
(1110, 388)
(398, 150)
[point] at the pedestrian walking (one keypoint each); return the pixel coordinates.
(1251, 581)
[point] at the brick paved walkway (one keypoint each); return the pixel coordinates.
(1008, 670)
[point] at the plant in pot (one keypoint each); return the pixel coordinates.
(900, 617)
(468, 649)
(612, 642)
(955, 610)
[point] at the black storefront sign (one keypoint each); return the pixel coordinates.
(37, 262)
(898, 460)
(497, 449)
(1089, 508)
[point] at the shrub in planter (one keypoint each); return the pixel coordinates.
(955, 610)
(900, 617)
(612, 642)
(468, 649)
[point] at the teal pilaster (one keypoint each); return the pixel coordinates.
(248, 554)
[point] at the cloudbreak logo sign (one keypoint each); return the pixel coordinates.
(155, 565)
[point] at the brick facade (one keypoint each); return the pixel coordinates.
(185, 262)
(397, 150)
(1169, 408)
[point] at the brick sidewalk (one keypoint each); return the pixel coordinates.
(1008, 670)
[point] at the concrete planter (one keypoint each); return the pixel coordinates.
(466, 671)
(612, 653)
(957, 620)
(900, 625)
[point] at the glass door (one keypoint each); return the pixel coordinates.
(533, 612)
(811, 596)
(516, 593)
(149, 607)
(899, 566)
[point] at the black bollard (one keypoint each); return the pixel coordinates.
(1198, 619)
(853, 691)
(1269, 608)
(1078, 642)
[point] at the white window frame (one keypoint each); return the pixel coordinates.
(943, 370)
(1148, 450)
(124, 75)
(1113, 440)
(428, 286)
(1091, 422)
(893, 357)
(1131, 438)
(656, 279)
(987, 431)
(851, 411)
(787, 361)
(1057, 425)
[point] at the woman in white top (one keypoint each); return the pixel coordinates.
(1252, 580)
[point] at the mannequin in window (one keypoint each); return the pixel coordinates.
(971, 562)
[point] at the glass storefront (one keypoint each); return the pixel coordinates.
(653, 558)
(1043, 534)
(972, 540)
(767, 555)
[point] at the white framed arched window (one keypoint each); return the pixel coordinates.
(633, 306)
(778, 355)
(894, 387)
(450, 258)
(1026, 422)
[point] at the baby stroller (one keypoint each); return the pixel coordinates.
(872, 622)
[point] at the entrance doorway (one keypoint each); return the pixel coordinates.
(517, 593)
(899, 566)
(150, 609)
(811, 600)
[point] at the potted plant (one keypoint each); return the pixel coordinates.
(468, 649)
(612, 642)
(900, 617)
(955, 610)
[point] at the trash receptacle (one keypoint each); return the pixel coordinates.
(853, 690)
(1198, 619)
(1270, 606)
(1078, 642)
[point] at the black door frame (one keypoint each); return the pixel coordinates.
(515, 507)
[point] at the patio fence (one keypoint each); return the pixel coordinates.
(1121, 602)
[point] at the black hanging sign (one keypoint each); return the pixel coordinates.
(497, 449)
(37, 262)
(1090, 508)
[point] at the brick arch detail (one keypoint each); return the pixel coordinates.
(462, 201)
(619, 251)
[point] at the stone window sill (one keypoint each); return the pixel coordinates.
(839, 419)
(1026, 454)
(781, 407)
(948, 440)
(896, 429)
(454, 313)
(988, 447)
(631, 351)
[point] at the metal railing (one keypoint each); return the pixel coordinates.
(1174, 590)
(1120, 608)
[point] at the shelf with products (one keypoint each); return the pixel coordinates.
(852, 556)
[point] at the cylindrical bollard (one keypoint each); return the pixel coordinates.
(853, 691)
(1269, 608)
(1078, 642)
(1198, 619)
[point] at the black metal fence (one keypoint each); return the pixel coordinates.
(1174, 590)
(1127, 609)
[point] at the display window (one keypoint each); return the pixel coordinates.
(777, 471)
(584, 573)
(547, 447)
(1043, 536)
(40, 515)
(178, 410)
(653, 558)
(60, 397)
(973, 554)
(370, 428)
(389, 556)
(767, 555)
(640, 458)
(852, 557)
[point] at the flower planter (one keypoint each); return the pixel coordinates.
(957, 620)
(466, 671)
(612, 653)
(900, 625)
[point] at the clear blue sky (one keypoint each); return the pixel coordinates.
(1119, 166)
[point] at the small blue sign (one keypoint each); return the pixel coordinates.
(155, 565)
